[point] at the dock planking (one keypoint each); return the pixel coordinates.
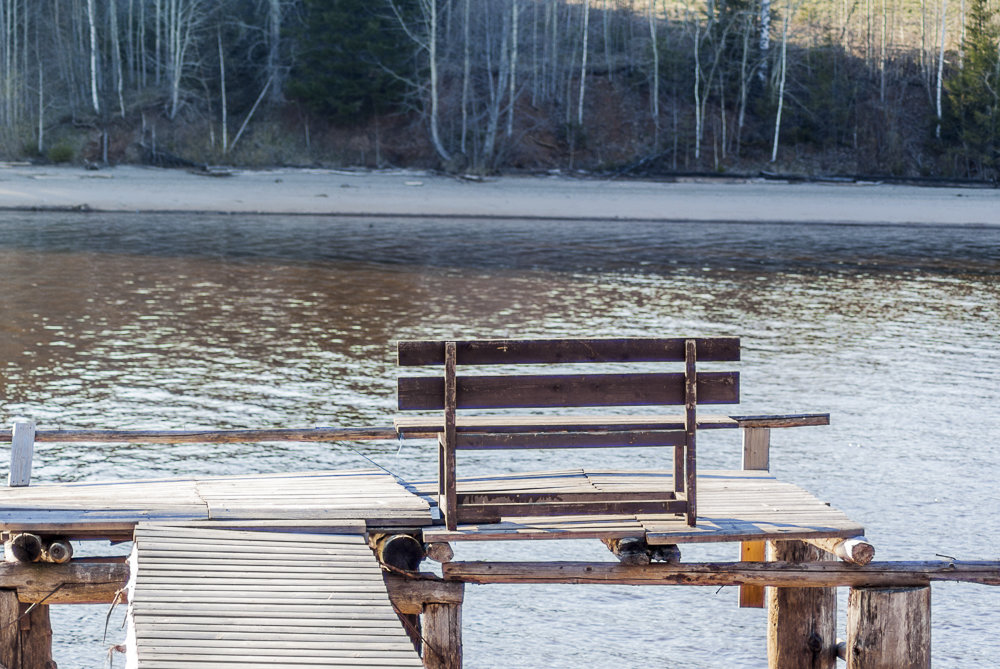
(273, 501)
(735, 506)
(335, 613)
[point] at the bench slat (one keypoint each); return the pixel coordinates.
(426, 393)
(492, 513)
(418, 426)
(536, 497)
(563, 351)
(612, 439)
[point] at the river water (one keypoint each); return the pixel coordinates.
(188, 321)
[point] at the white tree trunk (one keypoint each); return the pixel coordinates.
(158, 40)
(655, 95)
(41, 109)
(513, 67)
(765, 36)
(466, 76)
(274, 71)
(93, 57)
(583, 62)
(222, 94)
(882, 52)
(698, 121)
(781, 84)
(431, 17)
(116, 56)
(940, 68)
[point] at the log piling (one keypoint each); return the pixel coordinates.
(889, 628)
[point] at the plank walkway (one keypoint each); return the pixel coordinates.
(732, 506)
(109, 509)
(223, 598)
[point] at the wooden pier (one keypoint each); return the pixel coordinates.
(324, 568)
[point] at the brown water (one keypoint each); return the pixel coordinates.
(199, 321)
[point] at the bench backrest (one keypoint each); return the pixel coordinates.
(566, 390)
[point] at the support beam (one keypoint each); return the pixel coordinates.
(787, 574)
(410, 595)
(801, 622)
(856, 550)
(889, 628)
(25, 635)
(85, 581)
(442, 634)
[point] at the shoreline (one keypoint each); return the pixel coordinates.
(419, 193)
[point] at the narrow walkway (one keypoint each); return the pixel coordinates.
(217, 598)
(334, 499)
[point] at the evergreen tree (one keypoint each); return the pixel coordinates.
(348, 54)
(973, 115)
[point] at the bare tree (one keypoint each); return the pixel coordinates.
(92, 22)
(940, 67)
(424, 36)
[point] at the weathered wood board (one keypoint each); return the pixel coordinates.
(733, 506)
(109, 508)
(265, 610)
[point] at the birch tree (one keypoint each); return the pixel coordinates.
(781, 84)
(92, 23)
(940, 67)
(424, 35)
(583, 61)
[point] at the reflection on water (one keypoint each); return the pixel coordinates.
(184, 322)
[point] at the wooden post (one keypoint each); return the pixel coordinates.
(26, 643)
(801, 622)
(889, 628)
(442, 633)
(756, 456)
(447, 466)
(22, 448)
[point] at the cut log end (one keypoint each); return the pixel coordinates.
(439, 552)
(59, 551)
(856, 550)
(399, 551)
(23, 547)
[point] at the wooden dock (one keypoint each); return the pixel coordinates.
(322, 568)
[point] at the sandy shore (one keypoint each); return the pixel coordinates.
(416, 193)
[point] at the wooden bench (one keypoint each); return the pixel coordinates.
(451, 393)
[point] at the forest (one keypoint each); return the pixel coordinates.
(902, 88)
